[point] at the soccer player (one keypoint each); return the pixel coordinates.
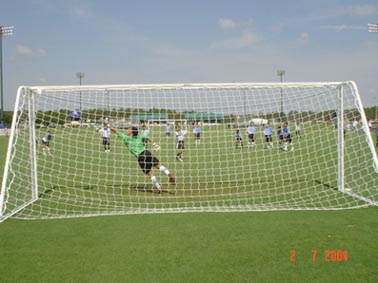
(370, 125)
(145, 132)
(180, 135)
(238, 139)
(251, 130)
(280, 135)
(287, 137)
(46, 143)
(355, 126)
(135, 144)
(297, 130)
(197, 134)
(105, 133)
(268, 132)
(168, 130)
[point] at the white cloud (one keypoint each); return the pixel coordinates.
(80, 9)
(245, 40)
(21, 49)
(227, 24)
(40, 52)
(342, 27)
(232, 24)
(303, 38)
(360, 11)
(25, 50)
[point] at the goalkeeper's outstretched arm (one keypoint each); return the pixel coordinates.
(114, 130)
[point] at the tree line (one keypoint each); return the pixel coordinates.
(62, 116)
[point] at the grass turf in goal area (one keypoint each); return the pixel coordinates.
(199, 247)
(80, 178)
(214, 174)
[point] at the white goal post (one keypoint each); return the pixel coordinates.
(320, 155)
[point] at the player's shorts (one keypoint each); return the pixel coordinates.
(180, 145)
(146, 161)
(268, 138)
(251, 137)
(288, 138)
(105, 141)
(167, 134)
(238, 138)
(281, 138)
(197, 136)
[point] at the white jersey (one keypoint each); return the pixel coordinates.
(145, 132)
(180, 135)
(105, 132)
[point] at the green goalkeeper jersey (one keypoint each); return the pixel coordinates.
(134, 144)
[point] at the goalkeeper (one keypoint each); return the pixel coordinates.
(135, 143)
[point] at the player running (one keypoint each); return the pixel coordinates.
(180, 135)
(197, 134)
(238, 139)
(105, 133)
(251, 130)
(287, 137)
(268, 132)
(46, 143)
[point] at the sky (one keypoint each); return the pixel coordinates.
(181, 41)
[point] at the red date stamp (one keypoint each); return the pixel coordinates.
(328, 255)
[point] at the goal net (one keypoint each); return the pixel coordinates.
(247, 147)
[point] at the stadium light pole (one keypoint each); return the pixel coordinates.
(374, 28)
(281, 73)
(80, 75)
(4, 31)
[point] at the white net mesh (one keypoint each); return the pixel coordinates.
(76, 176)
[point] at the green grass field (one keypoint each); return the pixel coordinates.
(281, 246)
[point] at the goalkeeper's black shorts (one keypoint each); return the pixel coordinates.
(146, 161)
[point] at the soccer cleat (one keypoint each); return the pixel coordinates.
(172, 180)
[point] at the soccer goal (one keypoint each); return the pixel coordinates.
(314, 151)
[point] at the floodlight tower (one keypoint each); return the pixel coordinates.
(4, 31)
(374, 28)
(80, 75)
(281, 73)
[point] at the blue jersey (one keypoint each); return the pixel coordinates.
(268, 131)
(168, 129)
(197, 130)
(251, 130)
(286, 131)
(280, 133)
